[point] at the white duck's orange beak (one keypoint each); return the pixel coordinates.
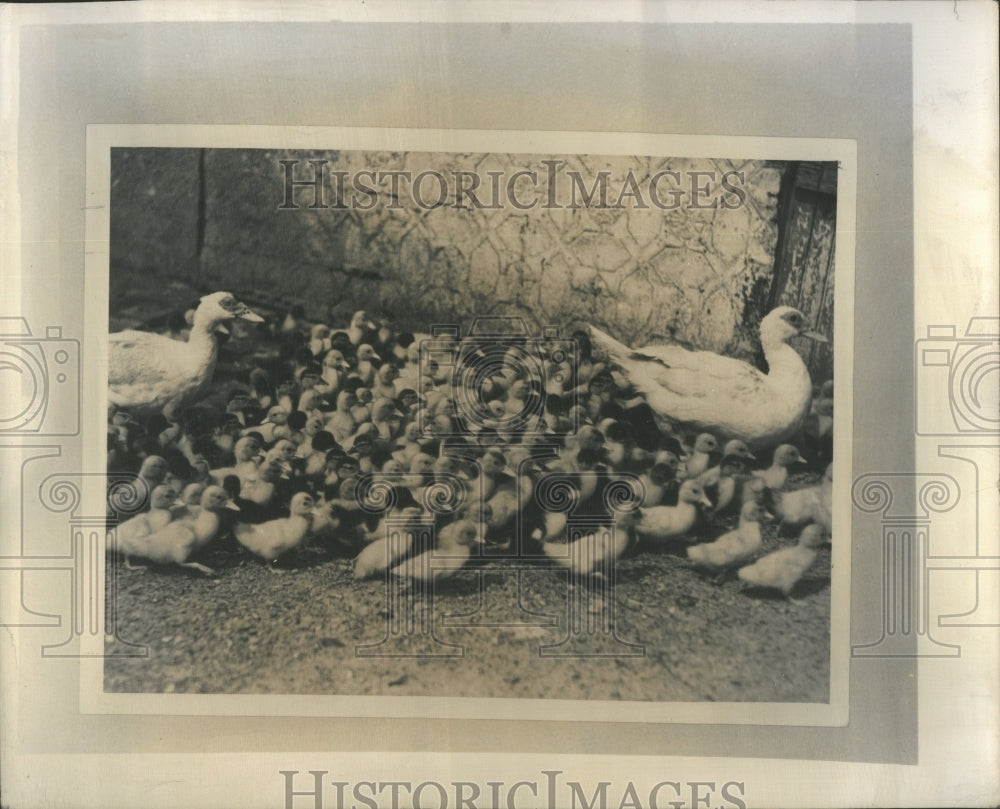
(705, 501)
(814, 335)
(231, 505)
(246, 313)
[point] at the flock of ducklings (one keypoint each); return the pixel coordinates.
(280, 452)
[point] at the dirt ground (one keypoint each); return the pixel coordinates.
(499, 628)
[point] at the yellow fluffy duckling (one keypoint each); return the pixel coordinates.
(178, 540)
(670, 522)
(776, 475)
(701, 457)
(596, 552)
(273, 538)
(733, 547)
(158, 516)
(453, 551)
(732, 449)
(782, 569)
(811, 504)
(383, 553)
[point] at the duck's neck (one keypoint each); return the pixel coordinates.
(202, 337)
(783, 360)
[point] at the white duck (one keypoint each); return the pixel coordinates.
(723, 395)
(176, 541)
(731, 548)
(271, 539)
(152, 372)
(781, 570)
(669, 522)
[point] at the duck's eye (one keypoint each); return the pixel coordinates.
(228, 303)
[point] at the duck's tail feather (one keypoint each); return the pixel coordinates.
(617, 351)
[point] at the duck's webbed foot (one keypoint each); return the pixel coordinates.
(199, 567)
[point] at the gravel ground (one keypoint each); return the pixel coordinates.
(678, 636)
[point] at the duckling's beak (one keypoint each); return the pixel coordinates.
(231, 505)
(221, 329)
(705, 501)
(813, 335)
(243, 311)
(178, 503)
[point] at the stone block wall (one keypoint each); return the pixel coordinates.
(211, 219)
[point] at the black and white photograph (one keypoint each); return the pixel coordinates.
(476, 424)
(474, 405)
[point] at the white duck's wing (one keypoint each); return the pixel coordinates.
(696, 374)
(137, 356)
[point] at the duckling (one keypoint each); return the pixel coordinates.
(245, 451)
(263, 391)
(669, 522)
(383, 553)
(652, 485)
(754, 490)
(454, 548)
(319, 339)
(341, 423)
(334, 371)
(159, 516)
(733, 547)
(178, 540)
(733, 449)
(153, 471)
(493, 471)
(776, 475)
(274, 426)
(149, 372)
(509, 498)
(732, 474)
(420, 473)
(385, 381)
(782, 569)
(263, 488)
(811, 504)
(701, 456)
(360, 324)
(274, 538)
(594, 553)
(366, 364)
(408, 446)
(723, 395)
(189, 504)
